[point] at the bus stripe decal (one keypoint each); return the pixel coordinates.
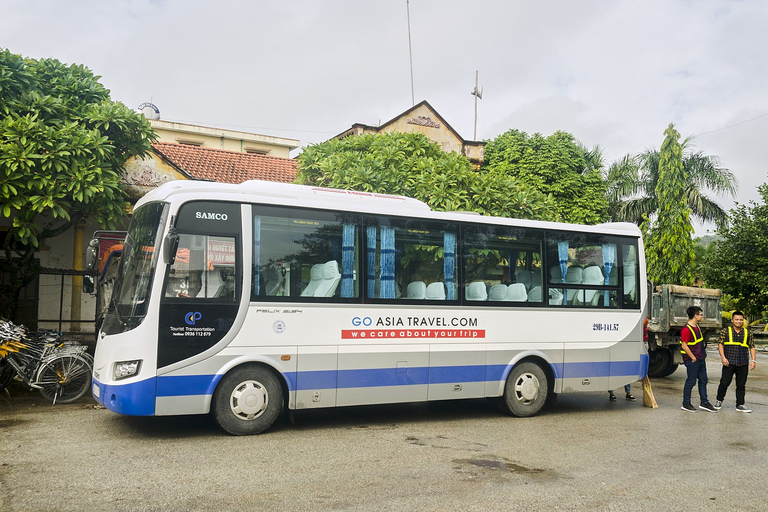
(184, 385)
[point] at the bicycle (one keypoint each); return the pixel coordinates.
(60, 369)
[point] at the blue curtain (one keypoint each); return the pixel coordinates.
(387, 262)
(371, 251)
(562, 255)
(348, 261)
(609, 257)
(449, 263)
(256, 255)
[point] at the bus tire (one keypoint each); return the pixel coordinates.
(247, 401)
(526, 390)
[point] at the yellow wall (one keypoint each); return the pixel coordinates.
(217, 138)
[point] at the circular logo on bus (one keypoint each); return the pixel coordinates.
(278, 326)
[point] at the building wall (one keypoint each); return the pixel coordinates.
(144, 175)
(217, 138)
(422, 120)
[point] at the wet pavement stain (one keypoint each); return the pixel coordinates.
(12, 423)
(498, 464)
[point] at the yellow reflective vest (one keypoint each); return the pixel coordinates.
(695, 339)
(730, 338)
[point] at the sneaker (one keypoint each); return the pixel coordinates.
(631, 397)
(612, 398)
(688, 407)
(743, 408)
(707, 407)
(718, 404)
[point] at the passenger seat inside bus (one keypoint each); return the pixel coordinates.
(516, 293)
(416, 290)
(497, 292)
(593, 275)
(476, 291)
(323, 280)
(525, 277)
(436, 291)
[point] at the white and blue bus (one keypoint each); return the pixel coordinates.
(248, 300)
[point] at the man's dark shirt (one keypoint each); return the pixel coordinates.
(736, 354)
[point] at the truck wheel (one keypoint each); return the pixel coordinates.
(671, 369)
(526, 390)
(247, 401)
(658, 362)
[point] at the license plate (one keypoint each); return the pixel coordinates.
(96, 391)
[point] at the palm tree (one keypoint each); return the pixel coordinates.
(632, 185)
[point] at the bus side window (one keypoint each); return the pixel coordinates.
(411, 261)
(304, 255)
(630, 272)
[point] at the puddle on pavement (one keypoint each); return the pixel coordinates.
(498, 464)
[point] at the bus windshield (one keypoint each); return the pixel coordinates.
(137, 267)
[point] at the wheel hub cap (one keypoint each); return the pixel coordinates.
(527, 388)
(249, 400)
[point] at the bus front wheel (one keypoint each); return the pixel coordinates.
(247, 401)
(526, 390)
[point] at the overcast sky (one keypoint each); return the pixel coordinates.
(613, 73)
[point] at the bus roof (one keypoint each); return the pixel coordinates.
(287, 194)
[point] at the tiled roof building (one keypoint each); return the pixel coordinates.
(225, 166)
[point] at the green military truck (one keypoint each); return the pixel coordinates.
(668, 318)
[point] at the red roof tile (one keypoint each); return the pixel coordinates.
(226, 166)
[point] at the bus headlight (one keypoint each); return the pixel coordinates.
(125, 369)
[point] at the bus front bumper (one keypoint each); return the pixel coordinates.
(134, 399)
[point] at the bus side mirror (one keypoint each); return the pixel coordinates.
(170, 246)
(90, 254)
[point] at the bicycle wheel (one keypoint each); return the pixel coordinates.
(7, 373)
(64, 379)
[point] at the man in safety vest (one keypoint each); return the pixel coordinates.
(695, 360)
(737, 351)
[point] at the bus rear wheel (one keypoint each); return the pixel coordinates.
(247, 401)
(526, 390)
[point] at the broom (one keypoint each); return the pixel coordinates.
(648, 399)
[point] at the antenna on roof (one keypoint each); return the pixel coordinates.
(410, 51)
(478, 94)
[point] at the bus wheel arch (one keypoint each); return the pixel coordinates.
(529, 387)
(248, 399)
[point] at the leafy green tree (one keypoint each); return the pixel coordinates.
(411, 165)
(633, 184)
(557, 166)
(62, 146)
(702, 248)
(669, 253)
(739, 263)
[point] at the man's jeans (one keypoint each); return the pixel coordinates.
(696, 370)
(741, 382)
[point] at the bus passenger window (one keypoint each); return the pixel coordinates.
(629, 267)
(204, 267)
(304, 255)
(505, 262)
(411, 260)
(582, 270)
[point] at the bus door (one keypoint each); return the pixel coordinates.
(203, 285)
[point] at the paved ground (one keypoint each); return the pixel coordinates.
(586, 454)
